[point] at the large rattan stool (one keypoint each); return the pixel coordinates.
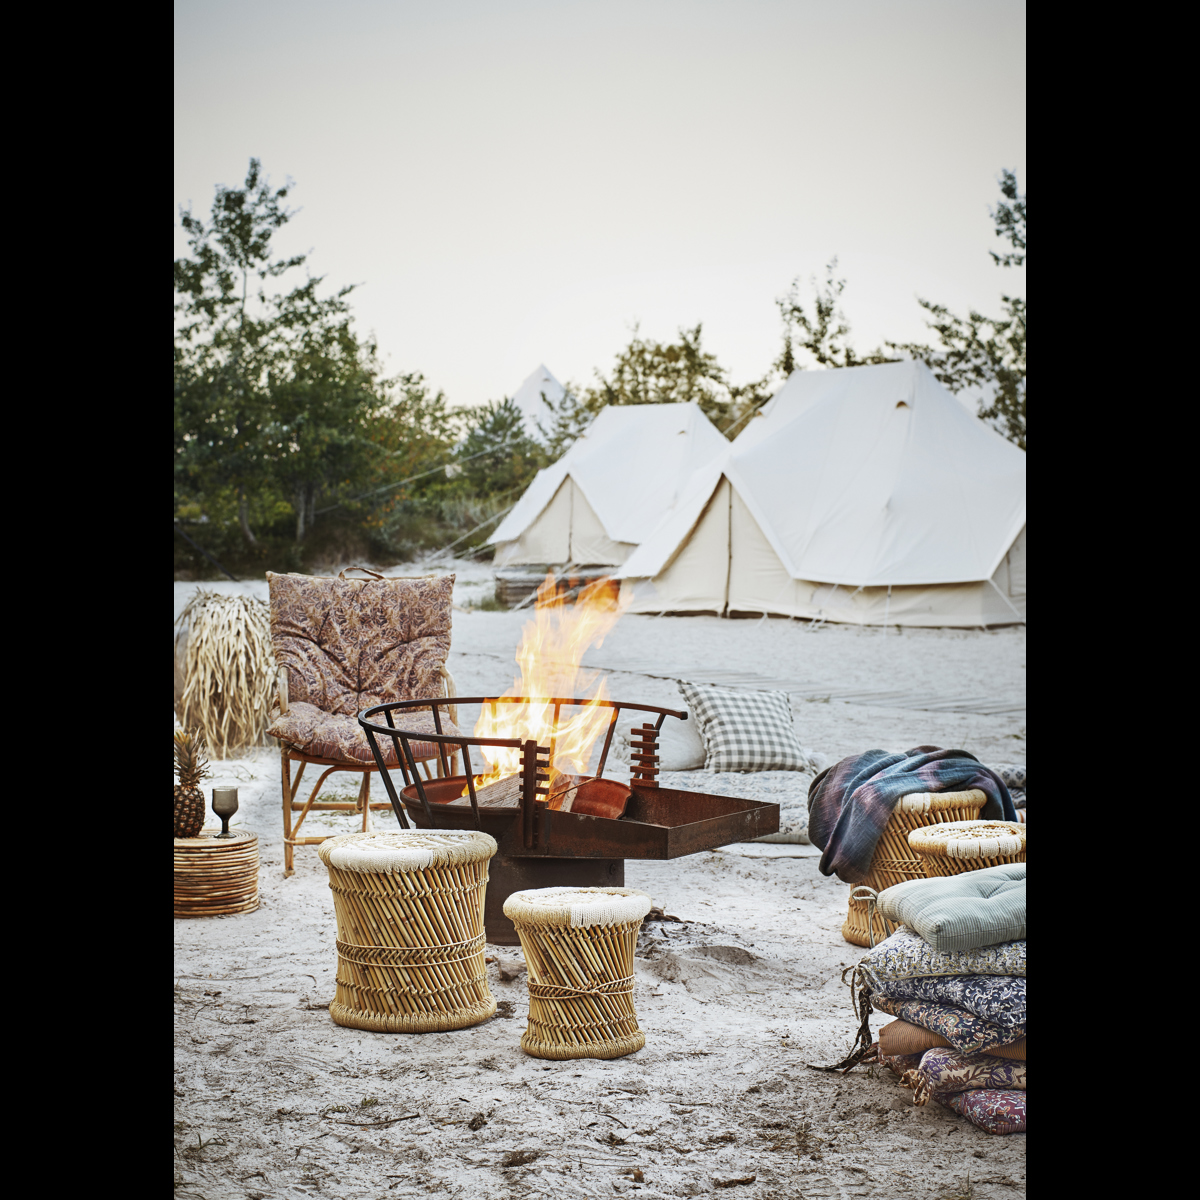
(958, 846)
(894, 861)
(410, 940)
(579, 945)
(215, 875)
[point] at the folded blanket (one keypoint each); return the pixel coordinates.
(963, 1030)
(992, 1109)
(998, 999)
(850, 803)
(907, 955)
(942, 1072)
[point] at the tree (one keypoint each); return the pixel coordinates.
(565, 422)
(497, 455)
(981, 351)
(272, 387)
(682, 372)
(825, 335)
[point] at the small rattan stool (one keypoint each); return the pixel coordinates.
(410, 939)
(214, 875)
(958, 846)
(579, 945)
(894, 861)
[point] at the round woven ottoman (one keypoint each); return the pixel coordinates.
(894, 861)
(958, 846)
(410, 937)
(579, 945)
(215, 875)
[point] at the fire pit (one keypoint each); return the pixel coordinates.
(557, 828)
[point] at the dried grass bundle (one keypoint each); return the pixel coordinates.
(229, 670)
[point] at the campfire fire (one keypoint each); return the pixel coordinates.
(552, 647)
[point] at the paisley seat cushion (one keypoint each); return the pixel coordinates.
(306, 728)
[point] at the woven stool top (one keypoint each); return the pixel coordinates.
(207, 839)
(932, 801)
(577, 907)
(405, 850)
(970, 839)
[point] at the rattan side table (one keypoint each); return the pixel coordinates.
(579, 945)
(957, 846)
(410, 938)
(214, 875)
(895, 861)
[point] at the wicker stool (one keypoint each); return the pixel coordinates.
(579, 945)
(894, 861)
(410, 934)
(216, 875)
(958, 846)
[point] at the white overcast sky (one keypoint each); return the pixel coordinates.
(513, 182)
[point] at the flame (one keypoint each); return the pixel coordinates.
(549, 656)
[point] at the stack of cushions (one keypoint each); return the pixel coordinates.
(954, 977)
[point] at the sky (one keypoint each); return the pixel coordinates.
(510, 183)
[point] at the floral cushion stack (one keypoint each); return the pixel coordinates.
(960, 1031)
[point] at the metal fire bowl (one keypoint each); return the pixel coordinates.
(575, 850)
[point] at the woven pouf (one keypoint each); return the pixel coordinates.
(894, 860)
(579, 945)
(410, 939)
(215, 875)
(958, 846)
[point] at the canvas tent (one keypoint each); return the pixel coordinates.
(866, 495)
(528, 398)
(614, 484)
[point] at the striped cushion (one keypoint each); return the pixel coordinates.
(961, 912)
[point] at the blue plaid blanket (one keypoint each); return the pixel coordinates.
(850, 803)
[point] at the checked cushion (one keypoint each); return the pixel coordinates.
(745, 731)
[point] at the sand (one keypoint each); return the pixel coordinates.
(274, 1100)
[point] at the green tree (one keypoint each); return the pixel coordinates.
(273, 390)
(824, 334)
(497, 456)
(981, 351)
(682, 372)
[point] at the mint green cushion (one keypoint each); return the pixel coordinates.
(961, 912)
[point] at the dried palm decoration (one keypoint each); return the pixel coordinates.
(229, 670)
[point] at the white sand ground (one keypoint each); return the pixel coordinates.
(274, 1100)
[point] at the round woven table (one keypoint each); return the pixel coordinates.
(215, 876)
(895, 862)
(579, 945)
(410, 938)
(957, 846)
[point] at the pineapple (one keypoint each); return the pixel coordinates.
(190, 767)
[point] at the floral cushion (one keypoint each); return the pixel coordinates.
(992, 1109)
(907, 955)
(332, 735)
(999, 999)
(351, 643)
(943, 1072)
(963, 1030)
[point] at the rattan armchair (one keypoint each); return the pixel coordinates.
(343, 645)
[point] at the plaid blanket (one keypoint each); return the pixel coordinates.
(850, 803)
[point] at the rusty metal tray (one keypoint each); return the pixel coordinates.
(658, 822)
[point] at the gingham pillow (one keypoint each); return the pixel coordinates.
(745, 731)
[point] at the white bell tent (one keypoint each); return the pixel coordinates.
(867, 495)
(528, 398)
(612, 486)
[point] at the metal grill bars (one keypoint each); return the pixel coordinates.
(533, 756)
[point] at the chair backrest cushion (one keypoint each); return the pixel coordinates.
(351, 643)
